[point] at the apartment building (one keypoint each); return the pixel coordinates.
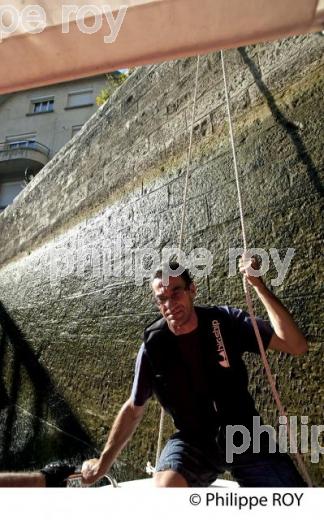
(35, 124)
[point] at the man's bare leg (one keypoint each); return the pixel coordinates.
(169, 478)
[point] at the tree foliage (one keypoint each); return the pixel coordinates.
(114, 80)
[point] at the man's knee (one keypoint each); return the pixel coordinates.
(169, 478)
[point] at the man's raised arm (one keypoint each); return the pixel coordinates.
(122, 430)
(287, 337)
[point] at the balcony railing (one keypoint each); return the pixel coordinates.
(23, 145)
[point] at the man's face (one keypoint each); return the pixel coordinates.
(175, 300)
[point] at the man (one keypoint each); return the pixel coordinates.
(191, 359)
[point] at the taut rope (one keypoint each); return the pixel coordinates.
(247, 292)
(247, 289)
(184, 203)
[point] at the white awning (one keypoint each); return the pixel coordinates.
(32, 54)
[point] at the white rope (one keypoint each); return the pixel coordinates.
(185, 191)
(247, 289)
(160, 437)
(184, 203)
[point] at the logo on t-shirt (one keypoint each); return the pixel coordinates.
(223, 361)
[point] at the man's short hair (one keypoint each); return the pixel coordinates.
(168, 269)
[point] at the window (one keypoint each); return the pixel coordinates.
(8, 191)
(20, 138)
(43, 106)
(23, 141)
(82, 98)
(20, 141)
(22, 144)
(76, 129)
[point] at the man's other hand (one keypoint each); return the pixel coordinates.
(245, 264)
(91, 471)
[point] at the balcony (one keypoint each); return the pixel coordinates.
(17, 156)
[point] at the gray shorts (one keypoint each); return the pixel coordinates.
(202, 464)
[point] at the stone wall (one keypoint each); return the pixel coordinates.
(72, 315)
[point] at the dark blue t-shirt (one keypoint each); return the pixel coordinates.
(238, 327)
